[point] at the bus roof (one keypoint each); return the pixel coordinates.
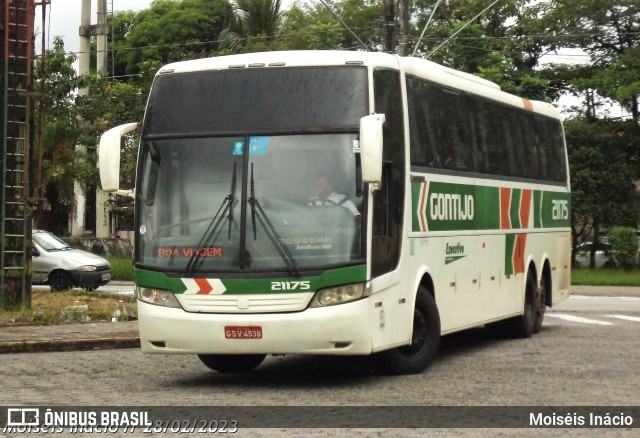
(415, 67)
(297, 58)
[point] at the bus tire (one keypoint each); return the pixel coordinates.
(232, 363)
(523, 326)
(416, 357)
(541, 298)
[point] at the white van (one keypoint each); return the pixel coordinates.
(62, 267)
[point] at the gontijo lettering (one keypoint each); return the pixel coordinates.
(451, 207)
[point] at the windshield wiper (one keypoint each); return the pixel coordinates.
(276, 240)
(214, 228)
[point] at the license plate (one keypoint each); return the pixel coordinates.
(106, 276)
(243, 332)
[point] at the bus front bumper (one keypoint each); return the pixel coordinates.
(341, 330)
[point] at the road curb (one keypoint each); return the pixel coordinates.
(40, 346)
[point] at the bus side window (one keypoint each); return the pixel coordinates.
(386, 248)
(381, 203)
(454, 124)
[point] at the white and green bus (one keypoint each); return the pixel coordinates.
(445, 205)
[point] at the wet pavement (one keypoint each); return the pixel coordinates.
(110, 335)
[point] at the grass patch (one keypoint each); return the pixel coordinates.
(46, 305)
(605, 277)
(121, 269)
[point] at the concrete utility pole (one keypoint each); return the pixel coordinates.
(102, 198)
(389, 19)
(79, 189)
(403, 12)
(86, 31)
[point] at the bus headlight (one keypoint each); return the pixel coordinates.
(157, 296)
(338, 295)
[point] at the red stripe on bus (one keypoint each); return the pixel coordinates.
(518, 253)
(525, 208)
(505, 203)
(204, 285)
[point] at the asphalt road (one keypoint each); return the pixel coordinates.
(571, 362)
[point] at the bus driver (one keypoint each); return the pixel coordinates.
(325, 195)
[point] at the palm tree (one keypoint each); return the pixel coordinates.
(252, 18)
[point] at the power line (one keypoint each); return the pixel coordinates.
(432, 39)
(415, 49)
(460, 30)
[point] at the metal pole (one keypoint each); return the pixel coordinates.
(5, 106)
(28, 149)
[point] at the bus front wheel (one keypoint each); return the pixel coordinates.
(415, 357)
(232, 363)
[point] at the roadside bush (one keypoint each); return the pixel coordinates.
(121, 268)
(624, 247)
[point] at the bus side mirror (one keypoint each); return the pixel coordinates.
(109, 156)
(371, 149)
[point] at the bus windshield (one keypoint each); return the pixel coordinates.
(209, 205)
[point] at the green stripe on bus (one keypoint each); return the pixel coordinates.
(460, 207)
(510, 243)
(514, 208)
(487, 212)
(537, 209)
(555, 209)
(415, 201)
(239, 286)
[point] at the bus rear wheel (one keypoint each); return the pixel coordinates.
(524, 326)
(232, 363)
(425, 339)
(541, 298)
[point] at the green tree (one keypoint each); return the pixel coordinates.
(253, 26)
(504, 44)
(604, 164)
(609, 31)
(624, 247)
(171, 31)
(309, 27)
(57, 163)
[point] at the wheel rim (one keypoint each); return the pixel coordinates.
(419, 335)
(60, 283)
(530, 312)
(542, 294)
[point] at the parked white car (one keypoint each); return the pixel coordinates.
(603, 255)
(62, 267)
